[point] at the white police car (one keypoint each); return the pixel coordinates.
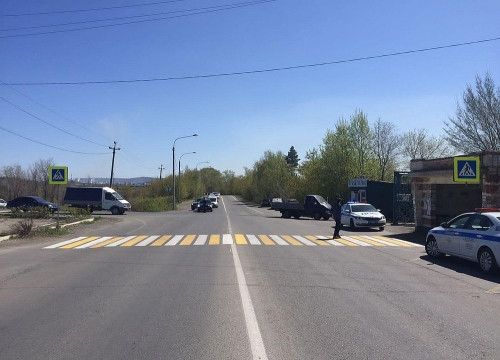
(355, 215)
(473, 236)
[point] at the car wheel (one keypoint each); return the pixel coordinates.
(431, 248)
(287, 214)
(296, 216)
(351, 223)
(487, 260)
(326, 217)
(114, 210)
(317, 216)
(381, 228)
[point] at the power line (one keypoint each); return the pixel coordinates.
(220, 7)
(55, 112)
(47, 123)
(93, 9)
(138, 21)
(50, 146)
(249, 72)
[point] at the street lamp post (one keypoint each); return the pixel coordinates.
(179, 185)
(173, 167)
(201, 162)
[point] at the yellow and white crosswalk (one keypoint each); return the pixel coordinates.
(92, 242)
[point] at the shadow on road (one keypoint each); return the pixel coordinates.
(461, 266)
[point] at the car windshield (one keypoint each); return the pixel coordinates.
(39, 199)
(363, 208)
(321, 199)
(117, 196)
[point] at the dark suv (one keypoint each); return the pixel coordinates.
(31, 202)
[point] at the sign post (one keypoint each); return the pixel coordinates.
(466, 169)
(58, 175)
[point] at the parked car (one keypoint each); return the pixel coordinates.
(215, 203)
(354, 214)
(204, 205)
(473, 236)
(26, 203)
(3, 203)
(265, 203)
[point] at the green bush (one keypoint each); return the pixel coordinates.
(79, 212)
(152, 204)
(33, 213)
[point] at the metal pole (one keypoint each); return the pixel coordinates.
(173, 175)
(114, 148)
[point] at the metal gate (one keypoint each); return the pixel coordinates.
(402, 199)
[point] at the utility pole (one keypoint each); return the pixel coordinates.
(114, 148)
(161, 168)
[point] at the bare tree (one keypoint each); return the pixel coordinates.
(476, 127)
(15, 179)
(386, 145)
(417, 144)
(42, 174)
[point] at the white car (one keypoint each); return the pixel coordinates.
(473, 236)
(355, 215)
(215, 202)
(3, 204)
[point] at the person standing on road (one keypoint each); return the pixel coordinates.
(336, 212)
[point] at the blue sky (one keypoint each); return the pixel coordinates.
(237, 118)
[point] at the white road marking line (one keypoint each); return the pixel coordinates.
(202, 239)
(278, 240)
(304, 240)
(122, 241)
(381, 241)
(148, 240)
(408, 242)
(175, 240)
(335, 243)
(92, 243)
(254, 335)
(252, 239)
(229, 228)
(356, 241)
(227, 239)
(62, 243)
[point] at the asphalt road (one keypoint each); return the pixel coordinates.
(203, 299)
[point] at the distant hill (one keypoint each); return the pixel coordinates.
(138, 181)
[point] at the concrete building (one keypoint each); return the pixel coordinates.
(438, 198)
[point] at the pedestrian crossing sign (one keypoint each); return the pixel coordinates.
(58, 175)
(466, 169)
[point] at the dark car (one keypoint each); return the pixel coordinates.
(31, 202)
(194, 204)
(265, 203)
(205, 205)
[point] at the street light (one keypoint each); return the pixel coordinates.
(173, 167)
(179, 186)
(201, 162)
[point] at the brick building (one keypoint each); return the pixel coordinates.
(438, 198)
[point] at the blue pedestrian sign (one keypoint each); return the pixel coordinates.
(466, 169)
(58, 175)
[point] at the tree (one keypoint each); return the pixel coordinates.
(361, 137)
(476, 127)
(386, 144)
(417, 144)
(292, 159)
